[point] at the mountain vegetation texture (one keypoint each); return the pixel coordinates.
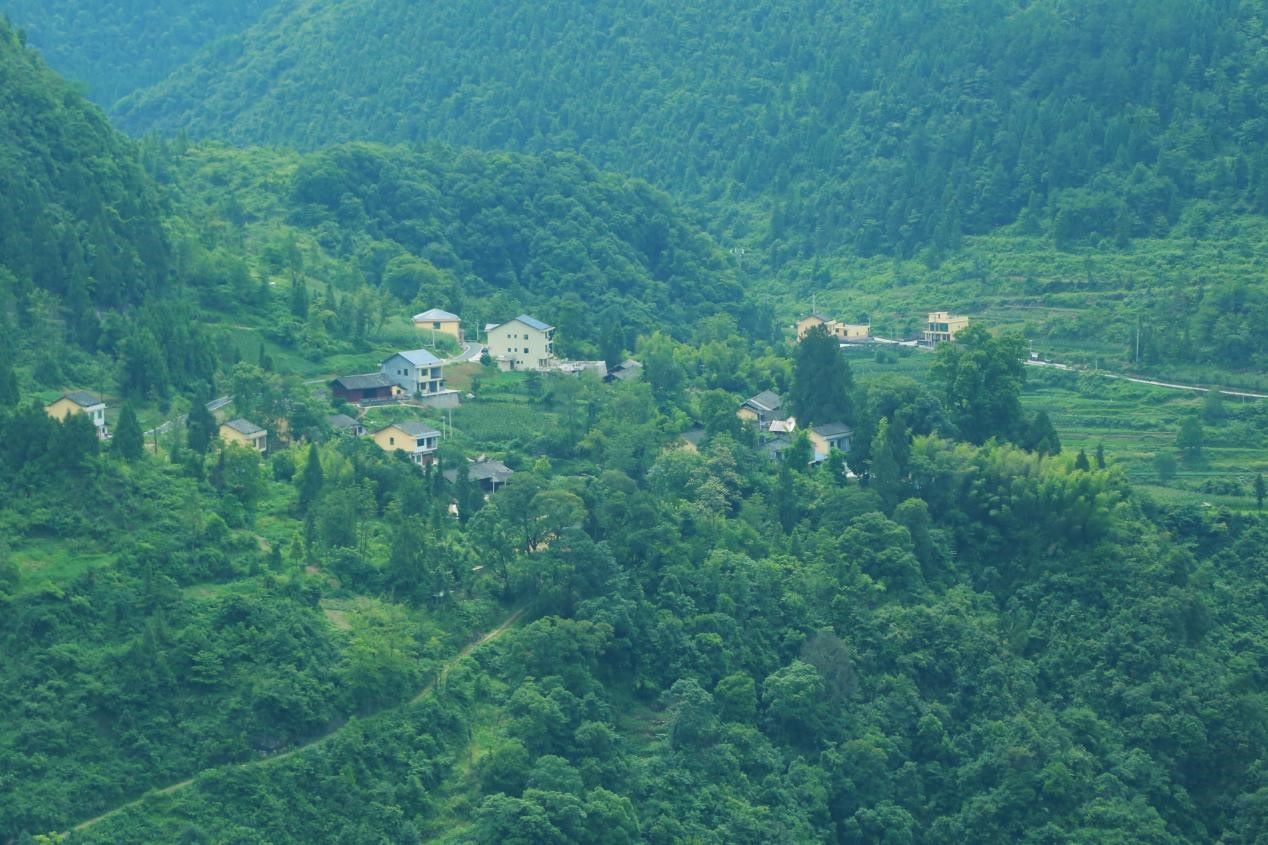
(874, 126)
(493, 234)
(666, 626)
(116, 48)
(79, 219)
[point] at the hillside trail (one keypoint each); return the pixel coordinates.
(467, 651)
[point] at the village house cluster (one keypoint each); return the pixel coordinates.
(940, 327)
(776, 428)
(411, 377)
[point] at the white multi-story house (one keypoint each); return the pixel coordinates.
(524, 343)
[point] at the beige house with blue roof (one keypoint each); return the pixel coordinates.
(524, 343)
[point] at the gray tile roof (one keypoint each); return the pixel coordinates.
(435, 315)
(415, 429)
(418, 357)
(244, 427)
(341, 421)
(767, 400)
(831, 429)
(533, 323)
(82, 398)
(489, 470)
(365, 381)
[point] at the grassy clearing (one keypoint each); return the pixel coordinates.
(496, 423)
(47, 561)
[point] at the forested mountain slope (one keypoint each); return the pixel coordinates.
(872, 125)
(116, 48)
(487, 235)
(80, 219)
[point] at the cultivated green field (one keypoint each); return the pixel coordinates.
(1134, 423)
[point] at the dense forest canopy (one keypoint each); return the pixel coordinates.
(872, 126)
(666, 625)
(79, 219)
(116, 48)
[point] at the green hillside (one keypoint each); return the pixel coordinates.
(870, 126)
(487, 235)
(79, 217)
(113, 49)
(1006, 603)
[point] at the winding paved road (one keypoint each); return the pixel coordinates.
(1196, 388)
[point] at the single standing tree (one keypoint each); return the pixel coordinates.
(1260, 490)
(9, 395)
(310, 481)
(1081, 463)
(201, 426)
(128, 441)
(821, 382)
(885, 476)
(1041, 437)
(1100, 456)
(981, 377)
(1189, 439)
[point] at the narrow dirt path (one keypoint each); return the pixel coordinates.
(502, 628)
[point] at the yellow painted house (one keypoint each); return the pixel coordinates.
(805, 324)
(942, 327)
(418, 440)
(828, 436)
(844, 332)
(80, 402)
(245, 433)
(440, 322)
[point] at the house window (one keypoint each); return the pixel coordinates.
(525, 350)
(391, 441)
(435, 325)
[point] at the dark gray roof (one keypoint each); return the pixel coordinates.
(415, 429)
(365, 381)
(533, 323)
(82, 398)
(767, 400)
(487, 470)
(831, 429)
(626, 370)
(775, 446)
(245, 427)
(341, 421)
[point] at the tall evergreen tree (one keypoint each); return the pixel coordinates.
(128, 441)
(201, 427)
(9, 394)
(822, 381)
(310, 480)
(885, 477)
(1041, 436)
